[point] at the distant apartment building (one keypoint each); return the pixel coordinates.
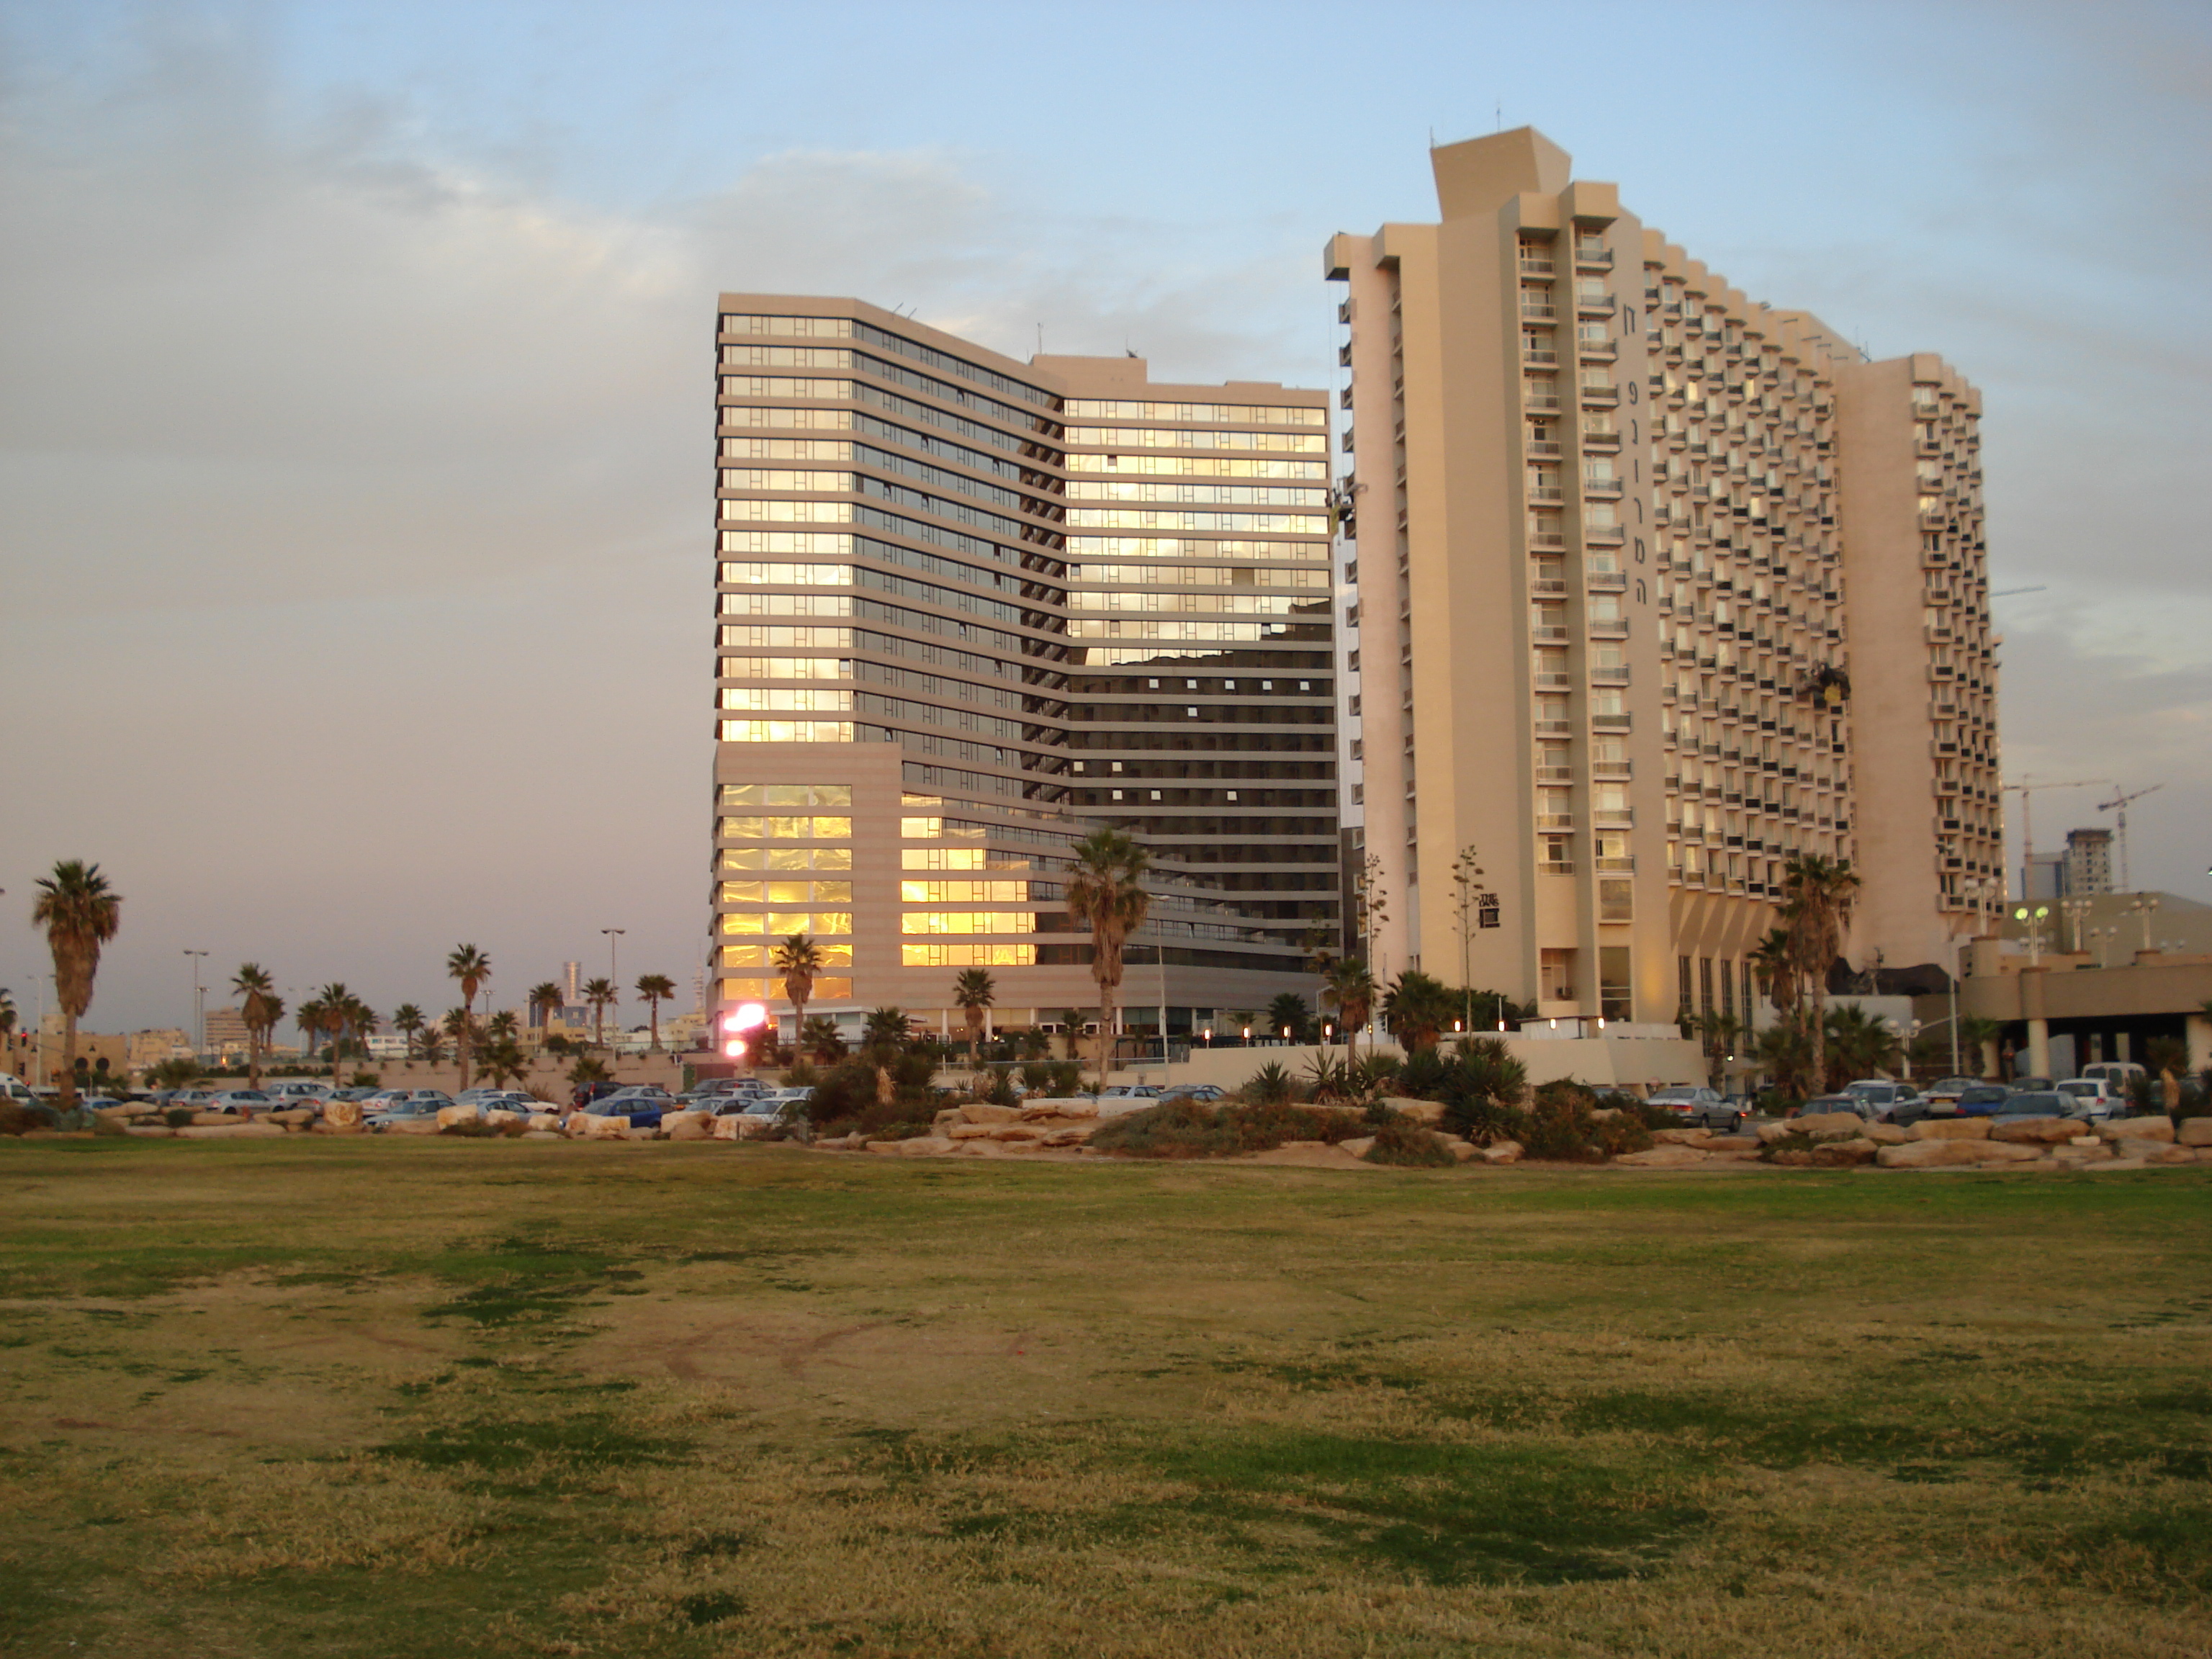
(969, 609)
(225, 1031)
(1649, 586)
(2089, 863)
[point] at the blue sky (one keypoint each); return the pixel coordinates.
(353, 455)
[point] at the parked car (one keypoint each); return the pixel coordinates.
(476, 1096)
(2037, 1102)
(1130, 1092)
(2035, 1083)
(642, 1091)
(239, 1103)
(2118, 1075)
(1703, 1108)
(638, 1111)
(1206, 1092)
(1983, 1100)
(1948, 1088)
(402, 1111)
(2094, 1099)
(406, 1103)
(1894, 1102)
(297, 1093)
(504, 1100)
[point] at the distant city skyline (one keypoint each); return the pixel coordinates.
(349, 475)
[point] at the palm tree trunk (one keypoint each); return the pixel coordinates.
(68, 1059)
(653, 1010)
(1105, 1028)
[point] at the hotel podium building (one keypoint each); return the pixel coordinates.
(1649, 587)
(969, 609)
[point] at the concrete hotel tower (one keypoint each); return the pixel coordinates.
(1656, 587)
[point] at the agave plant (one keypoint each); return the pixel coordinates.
(1327, 1078)
(1268, 1086)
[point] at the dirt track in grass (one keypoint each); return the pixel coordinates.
(430, 1397)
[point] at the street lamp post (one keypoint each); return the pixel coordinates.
(614, 972)
(199, 1006)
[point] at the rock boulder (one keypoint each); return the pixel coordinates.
(2194, 1132)
(1830, 1126)
(1671, 1157)
(449, 1115)
(1952, 1128)
(1501, 1152)
(2158, 1129)
(1845, 1154)
(1682, 1136)
(1929, 1154)
(2038, 1131)
(978, 1111)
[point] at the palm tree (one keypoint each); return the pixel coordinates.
(884, 1036)
(655, 988)
(1416, 1008)
(501, 1026)
(432, 1044)
(473, 968)
(1818, 893)
(334, 1005)
(798, 958)
(599, 994)
(974, 992)
(1349, 989)
(1719, 1032)
(309, 1017)
(1785, 1053)
(7, 1015)
(1776, 965)
(361, 1019)
(79, 913)
(1105, 894)
(261, 1009)
(1289, 1016)
(1858, 1045)
(821, 1038)
(545, 998)
(407, 1020)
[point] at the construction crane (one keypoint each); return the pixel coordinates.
(2120, 803)
(2007, 593)
(2025, 790)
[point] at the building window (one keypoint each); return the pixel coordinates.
(1613, 997)
(1616, 901)
(1556, 975)
(1683, 983)
(1705, 986)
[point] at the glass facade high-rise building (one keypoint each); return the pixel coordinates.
(968, 610)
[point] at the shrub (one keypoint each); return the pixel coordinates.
(1424, 1076)
(1482, 1091)
(1413, 1145)
(1183, 1128)
(1000, 1091)
(1616, 1135)
(1375, 1073)
(1328, 1079)
(15, 1119)
(1560, 1125)
(367, 1080)
(1270, 1086)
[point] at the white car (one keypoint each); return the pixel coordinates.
(2093, 1098)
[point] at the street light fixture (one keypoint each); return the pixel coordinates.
(614, 973)
(199, 1005)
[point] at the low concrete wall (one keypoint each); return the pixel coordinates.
(1604, 1062)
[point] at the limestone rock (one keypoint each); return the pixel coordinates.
(499, 1117)
(1501, 1152)
(1465, 1150)
(1682, 1136)
(1830, 1126)
(1736, 1143)
(2112, 1164)
(1768, 1133)
(1887, 1134)
(2194, 1132)
(1034, 1111)
(926, 1147)
(542, 1121)
(970, 1131)
(1845, 1154)
(412, 1126)
(944, 1120)
(1793, 1157)
(2037, 1130)
(1431, 1112)
(689, 1126)
(727, 1128)
(2172, 1155)
(1357, 1146)
(1074, 1134)
(1016, 1132)
(1927, 1154)
(2002, 1152)
(295, 1117)
(341, 1113)
(2138, 1128)
(976, 1111)
(449, 1115)
(1952, 1128)
(888, 1148)
(1675, 1157)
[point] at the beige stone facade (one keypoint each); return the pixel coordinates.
(1644, 578)
(968, 609)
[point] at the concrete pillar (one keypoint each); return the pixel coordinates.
(2197, 1029)
(2039, 1047)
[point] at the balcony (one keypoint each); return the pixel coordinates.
(1602, 489)
(1597, 351)
(1599, 394)
(1601, 440)
(1607, 676)
(1559, 867)
(1536, 354)
(1588, 256)
(1555, 820)
(1537, 264)
(1544, 448)
(1550, 586)
(1533, 399)
(1534, 311)
(1606, 581)
(1596, 305)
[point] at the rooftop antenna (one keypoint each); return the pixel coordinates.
(1040, 339)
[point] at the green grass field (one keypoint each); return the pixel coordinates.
(438, 1398)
